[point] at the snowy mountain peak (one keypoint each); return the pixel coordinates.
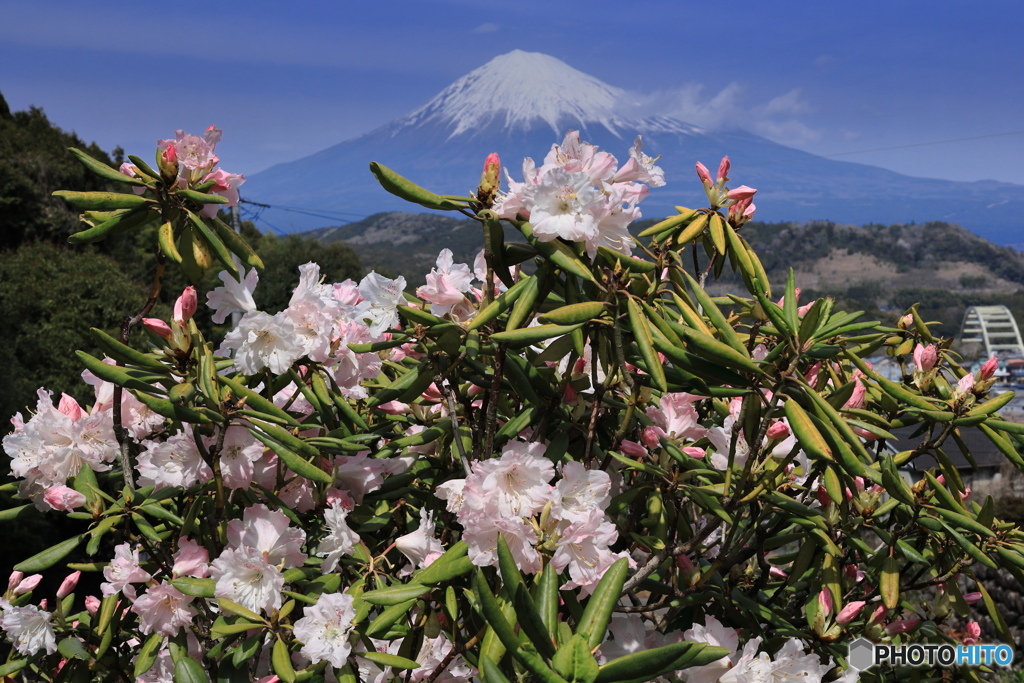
(517, 89)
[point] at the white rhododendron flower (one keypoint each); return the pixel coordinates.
(123, 571)
(789, 664)
(233, 296)
(264, 341)
(325, 628)
(381, 298)
(174, 462)
(420, 546)
(341, 540)
(29, 629)
(243, 575)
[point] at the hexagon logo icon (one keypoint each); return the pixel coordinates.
(861, 654)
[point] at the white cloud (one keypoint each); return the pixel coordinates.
(780, 118)
(486, 28)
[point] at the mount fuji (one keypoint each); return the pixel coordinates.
(519, 103)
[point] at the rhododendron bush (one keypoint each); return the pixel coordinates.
(565, 461)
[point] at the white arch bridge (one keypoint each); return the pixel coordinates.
(995, 328)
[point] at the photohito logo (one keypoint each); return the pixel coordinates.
(863, 654)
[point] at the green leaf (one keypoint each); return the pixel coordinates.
(49, 557)
(189, 671)
(649, 664)
(394, 595)
(530, 622)
(598, 612)
(296, 463)
(147, 655)
(644, 340)
(394, 661)
(491, 672)
(238, 610)
(573, 661)
(388, 618)
(281, 661)
(410, 191)
(72, 648)
(221, 630)
(446, 567)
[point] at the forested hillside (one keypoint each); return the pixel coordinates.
(879, 268)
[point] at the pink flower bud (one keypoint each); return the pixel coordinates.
(14, 580)
(850, 612)
(905, 322)
(651, 436)
(70, 407)
(490, 179)
(988, 369)
(92, 604)
(972, 633)
(778, 430)
(877, 615)
(157, 327)
(901, 626)
(812, 373)
(971, 598)
(694, 452)
(776, 573)
(394, 408)
(965, 385)
(825, 601)
(856, 400)
(185, 306)
(62, 498)
(28, 584)
(43, 603)
(925, 357)
(704, 174)
(723, 169)
(823, 496)
(742, 193)
(632, 448)
(68, 585)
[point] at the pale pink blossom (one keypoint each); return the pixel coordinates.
(123, 571)
(584, 548)
(714, 633)
(226, 185)
(324, 629)
(447, 284)
(163, 609)
(191, 559)
(267, 531)
(965, 385)
(580, 491)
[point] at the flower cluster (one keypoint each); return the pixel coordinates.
(581, 194)
(511, 497)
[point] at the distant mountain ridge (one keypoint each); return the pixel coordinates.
(519, 103)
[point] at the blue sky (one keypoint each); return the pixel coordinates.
(287, 79)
